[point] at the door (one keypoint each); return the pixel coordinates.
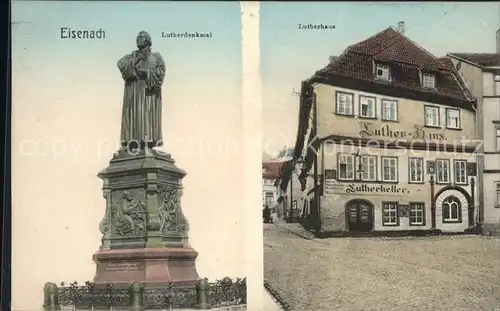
(359, 216)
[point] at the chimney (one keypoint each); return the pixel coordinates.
(498, 41)
(401, 27)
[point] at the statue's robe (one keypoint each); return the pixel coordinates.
(141, 114)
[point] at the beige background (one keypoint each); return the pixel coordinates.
(252, 138)
(57, 200)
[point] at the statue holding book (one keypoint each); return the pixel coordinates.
(143, 72)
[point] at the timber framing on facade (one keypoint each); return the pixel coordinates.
(386, 138)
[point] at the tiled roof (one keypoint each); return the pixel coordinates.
(449, 65)
(447, 62)
(272, 170)
(404, 56)
(480, 59)
(392, 46)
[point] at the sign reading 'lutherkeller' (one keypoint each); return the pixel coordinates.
(366, 188)
(333, 187)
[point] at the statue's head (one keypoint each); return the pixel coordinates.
(143, 40)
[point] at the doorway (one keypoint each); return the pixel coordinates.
(359, 214)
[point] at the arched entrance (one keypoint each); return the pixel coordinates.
(450, 190)
(454, 205)
(359, 215)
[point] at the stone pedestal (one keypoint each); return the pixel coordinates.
(152, 267)
(145, 233)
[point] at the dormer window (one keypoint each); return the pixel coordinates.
(428, 80)
(382, 72)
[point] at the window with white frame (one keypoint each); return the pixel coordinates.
(428, 80)
(497, 136)
(497, 194)
(390, 214)
(452, 210)
(366, 106)
(389, 110)
(460, 171)
(416, 170)
(452, 118)
(443, 171)
(389, 169)
(346, 166)
(383, 72)
(369, 165)
(417, 214)
(344, 104)
(431, 115)
(497, 85)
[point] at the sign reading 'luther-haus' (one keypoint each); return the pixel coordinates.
(368, 129)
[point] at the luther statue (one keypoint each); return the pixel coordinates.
(143, 72)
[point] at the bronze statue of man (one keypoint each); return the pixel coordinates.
(143, 72)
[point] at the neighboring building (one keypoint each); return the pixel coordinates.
(387, 133)
(481, 73)
(272, 169)
(289, 194)
(270, 173)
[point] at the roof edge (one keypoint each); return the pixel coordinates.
(340, 81)
(452, 55)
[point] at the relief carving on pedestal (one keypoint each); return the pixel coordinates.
(172, 219)
(128, 212)
(104, 225)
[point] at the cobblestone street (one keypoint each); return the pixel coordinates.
(383, 274)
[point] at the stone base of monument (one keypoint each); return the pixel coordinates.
(145, 233)
(152, 267)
